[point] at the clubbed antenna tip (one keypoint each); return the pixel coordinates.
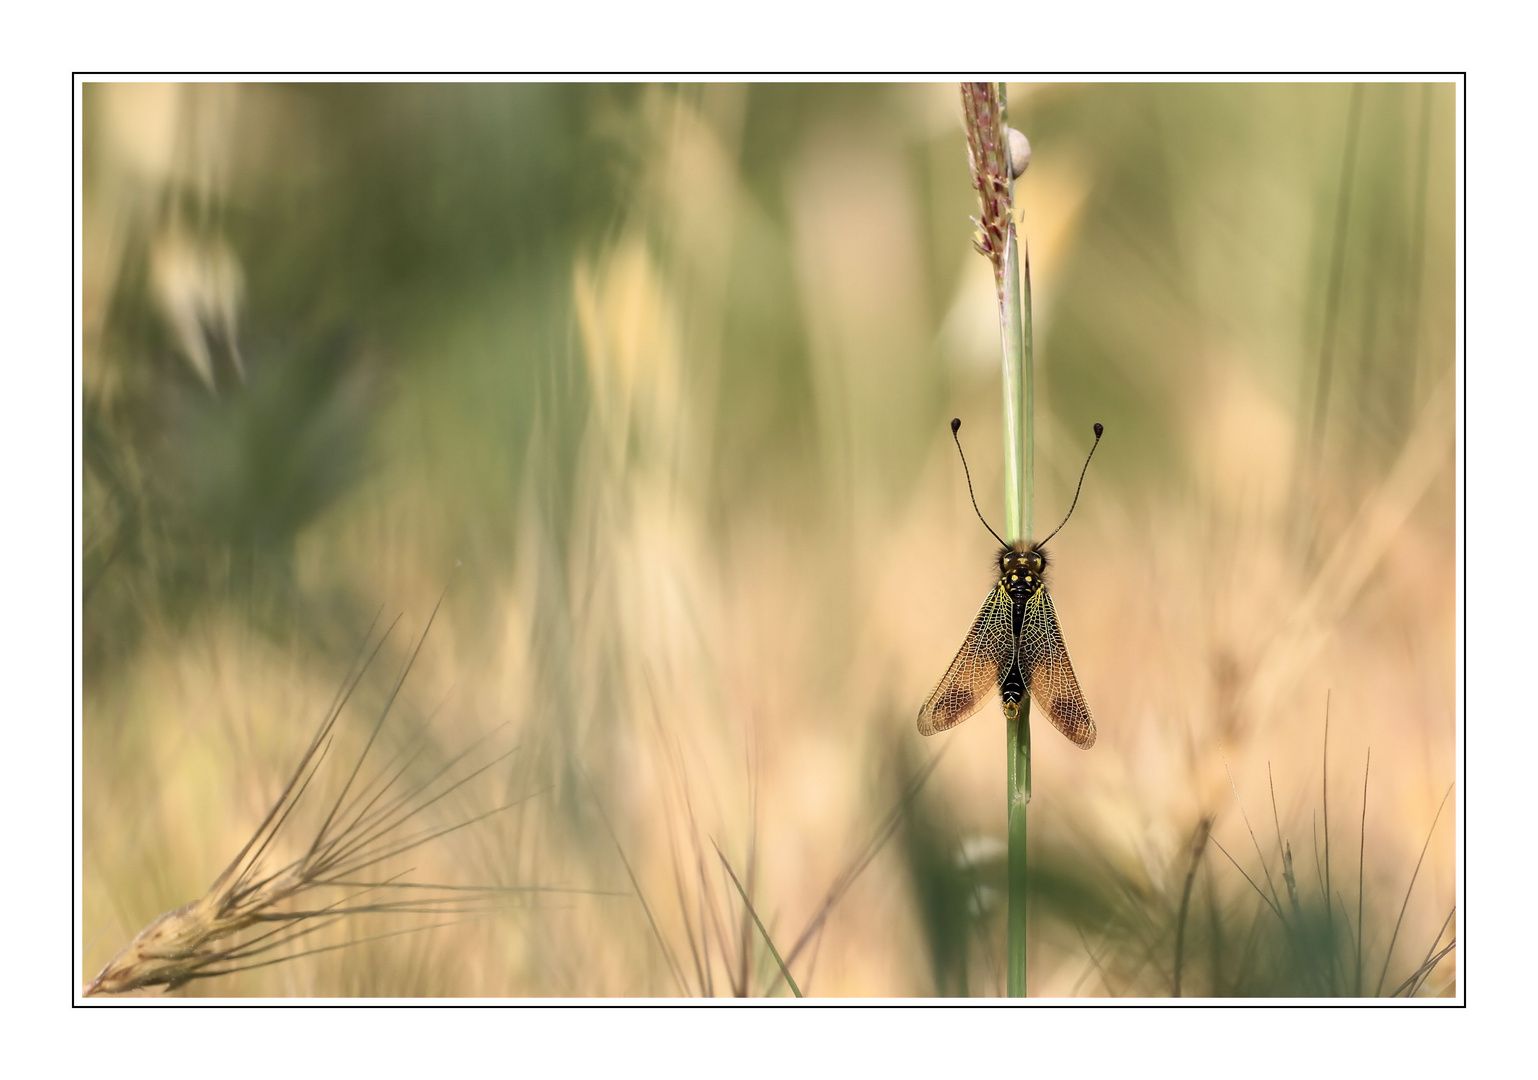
(955, 427)
(1099, 428)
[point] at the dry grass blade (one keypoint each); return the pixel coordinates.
(1277, 906)
(1361, 870)
(705, 902)
(703, 931)
(1198, 845)
(1258, 890)
(748, 905)
(1095, 966)
(1438, 939)
(212, 973)
(667, 954)
(1418, 977)
(1352, 940)
(862, 859)
(213, 935)
(699, 954)
(1290, 878)
(1413, 984)
(1325, 892)
(1410, 888)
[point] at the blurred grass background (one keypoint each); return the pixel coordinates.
(667, 371)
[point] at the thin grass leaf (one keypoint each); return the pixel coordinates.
(383, 714)
(1329, 906)
(1240, 803)
(748, 904)
(856, 866)
(1198, 845)
(1435, 942)
(667, 953)
(329, 948)
(1258, 890)
(1361, 864)
(1421, 973)
(1094, 966)
(1410, 888)
(213, 935)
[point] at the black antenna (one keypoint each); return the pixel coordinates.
(1099, 430)
(955, 427)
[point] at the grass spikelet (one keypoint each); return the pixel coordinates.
(988, 154)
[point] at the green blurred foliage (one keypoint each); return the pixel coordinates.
(378, 228)
(420, 239)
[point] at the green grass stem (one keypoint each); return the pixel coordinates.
(1019, 506)
(1019, 514)
(993, 175)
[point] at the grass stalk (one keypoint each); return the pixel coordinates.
(747, 905)
(1329, 908)
(989, 150)
(1019, 507)
(1408, 890)
(1361, 871)
(1198, 845)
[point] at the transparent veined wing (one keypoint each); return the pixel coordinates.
(1049, 673)
(973, 676)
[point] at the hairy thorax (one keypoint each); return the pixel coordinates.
(1022, 570)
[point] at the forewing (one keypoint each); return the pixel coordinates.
(1049, 673)
(973, 676)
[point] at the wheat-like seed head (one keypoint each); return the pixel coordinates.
(247, 917)
(185, 943)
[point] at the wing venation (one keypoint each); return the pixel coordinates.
(973, 676)
(1049, 672)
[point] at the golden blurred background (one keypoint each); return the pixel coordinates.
(665, 372)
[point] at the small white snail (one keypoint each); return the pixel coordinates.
(1019, 153)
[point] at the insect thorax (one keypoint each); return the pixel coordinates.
(1022, 571)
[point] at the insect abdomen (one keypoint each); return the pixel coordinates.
(1012, 690)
